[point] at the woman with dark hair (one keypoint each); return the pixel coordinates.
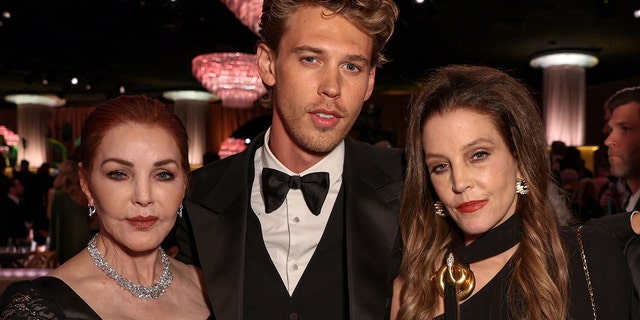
(134, 173)
(481, 233)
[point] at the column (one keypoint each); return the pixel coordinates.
(33, 114)
(192, 107)
(564, 94)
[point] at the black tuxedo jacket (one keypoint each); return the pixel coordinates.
(212, 232)
(619, 225)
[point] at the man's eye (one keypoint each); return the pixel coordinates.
(352, 67)
(309, 59)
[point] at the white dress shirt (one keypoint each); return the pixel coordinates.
(633, 199)
(291, 233)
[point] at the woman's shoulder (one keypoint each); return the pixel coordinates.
(44, 298)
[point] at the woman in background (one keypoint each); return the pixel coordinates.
(133, 171)
(481, 235)
(68, 219)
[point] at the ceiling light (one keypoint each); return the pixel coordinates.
(48, 100)
(558, 58)
(190, 95)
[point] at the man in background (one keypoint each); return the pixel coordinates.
(623, 141)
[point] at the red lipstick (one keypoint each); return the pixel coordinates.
(471, 206)
(142, 223)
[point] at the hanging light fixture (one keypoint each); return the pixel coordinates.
(247, 11)
(232, 76)
(564, 93)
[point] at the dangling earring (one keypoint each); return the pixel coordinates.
(180, 211)
(521, 186)
(92, 210)
(438, 207)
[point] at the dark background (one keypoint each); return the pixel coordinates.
(147, 46)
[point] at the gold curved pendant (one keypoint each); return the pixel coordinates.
(456, 275)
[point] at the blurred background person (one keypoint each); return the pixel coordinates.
(12, 216)
(585, 201)
(32, 201)
(623, 141)
(43, 183)
(69, 230)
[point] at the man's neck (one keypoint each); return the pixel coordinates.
(290, 154)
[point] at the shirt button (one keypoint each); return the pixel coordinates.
(296, 219)
(295, 267)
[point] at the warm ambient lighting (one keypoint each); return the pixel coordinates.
(192, 108)
(564, 58)
(231, 76)
(564, 96)
(33, 113)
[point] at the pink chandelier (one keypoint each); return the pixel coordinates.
(232, 76)
(247, 11)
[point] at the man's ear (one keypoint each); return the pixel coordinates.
(371, 83)
(266, 64)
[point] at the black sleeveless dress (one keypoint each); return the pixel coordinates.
(44, 298)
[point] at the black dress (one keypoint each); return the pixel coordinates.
(609, 274)
(44, 298)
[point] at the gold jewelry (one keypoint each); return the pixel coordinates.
(456, 275)
(438, 208)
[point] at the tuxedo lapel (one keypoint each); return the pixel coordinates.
(371, 200)
(219, 220)
(220, 241)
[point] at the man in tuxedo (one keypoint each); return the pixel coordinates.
(623, 144)
(303, 223)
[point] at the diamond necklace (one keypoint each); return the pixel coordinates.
(137, 290)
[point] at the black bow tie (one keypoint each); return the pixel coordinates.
(276, 185)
